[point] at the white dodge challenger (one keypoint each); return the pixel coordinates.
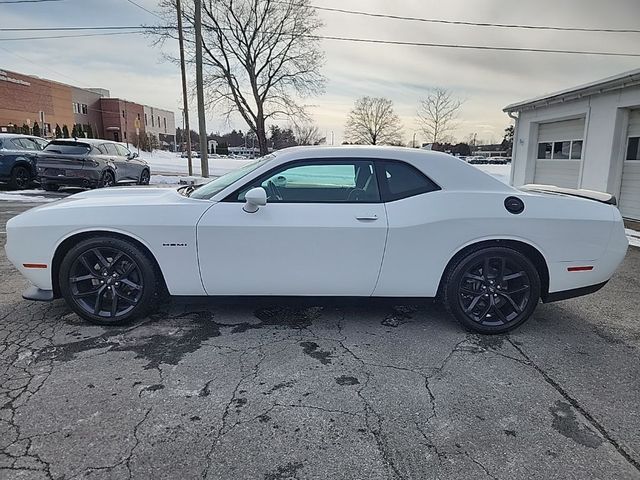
(325, 221)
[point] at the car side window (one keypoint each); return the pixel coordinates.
(111, 149)
(123, 152)
(318, 182)
(401, 180)
(17, 144)
(40, 144)
(101, 149)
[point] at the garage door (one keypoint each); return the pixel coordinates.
(559, 153)
(630, 188)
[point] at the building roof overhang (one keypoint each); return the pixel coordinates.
(616, 82)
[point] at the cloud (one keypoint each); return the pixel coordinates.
(133, 68)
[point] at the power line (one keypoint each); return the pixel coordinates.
(52, 37)
(145, 9)
(475, 24)
(65, 29)
(473, 47)
(346, 39)
(3, 2)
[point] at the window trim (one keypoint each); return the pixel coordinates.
(553, 142)
(387, 195)
(257, 181)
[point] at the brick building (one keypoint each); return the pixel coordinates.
(26, 100)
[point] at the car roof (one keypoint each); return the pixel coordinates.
(20, 135)
(90, 141)
(444, 169)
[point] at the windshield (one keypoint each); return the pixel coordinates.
(207, 191)
(67, 148)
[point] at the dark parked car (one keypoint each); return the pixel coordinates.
(18, 159)
(89, 163)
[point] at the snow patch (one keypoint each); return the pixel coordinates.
(162, 162)
(633, 236)
(501, 172)
(18, 197)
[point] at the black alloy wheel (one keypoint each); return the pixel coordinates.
(107, 280)
(108, 179)
(144, 177)
(20, 178)
(493, 290)
(50, 187)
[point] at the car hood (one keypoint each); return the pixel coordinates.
(119, 197)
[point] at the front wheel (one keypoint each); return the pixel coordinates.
(492, 290)
(107, 280)
(50, 187)
(144, 177)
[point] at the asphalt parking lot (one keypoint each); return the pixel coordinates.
(370, 391)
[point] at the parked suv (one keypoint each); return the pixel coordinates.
(18, 159)
(89, 163)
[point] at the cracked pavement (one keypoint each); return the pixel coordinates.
(204, 389)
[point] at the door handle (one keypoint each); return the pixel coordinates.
(367, 218)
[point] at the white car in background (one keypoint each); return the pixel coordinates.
(325, 221)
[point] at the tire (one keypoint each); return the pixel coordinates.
(108, 281)
(145, 176)
(108, 180)
(50, 187)
(492, 290)
(20, 178)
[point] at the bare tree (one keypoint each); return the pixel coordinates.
(437, 113)
(260, 57)
(373, 122)
(306, 133)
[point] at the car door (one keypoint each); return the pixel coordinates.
(416, 245)
(322, 232)
(130, 170)
(114, 159)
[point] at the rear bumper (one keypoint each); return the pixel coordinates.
(87, 181)
(37, 294)
(575, 292)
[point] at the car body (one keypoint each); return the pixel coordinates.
(326, 221)
(18, 154)
(89, 163)
(497, 160)
(477, 160)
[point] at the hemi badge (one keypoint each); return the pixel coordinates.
(34, 265)
(580, 269)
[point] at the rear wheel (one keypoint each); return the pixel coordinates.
(492, 290)
(107, 280)
(108, 180)
(20, 178)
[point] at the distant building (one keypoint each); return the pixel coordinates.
(162, 124)
(26, 99)
(583, 137)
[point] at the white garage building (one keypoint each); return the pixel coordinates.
(583, 137)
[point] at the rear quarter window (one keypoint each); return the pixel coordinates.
(400, 180)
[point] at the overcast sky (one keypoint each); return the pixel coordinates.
(131, 67)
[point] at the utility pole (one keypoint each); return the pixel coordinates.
(184, 87)
(202, 121)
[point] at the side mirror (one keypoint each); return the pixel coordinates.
(255, 198)
(132, 155)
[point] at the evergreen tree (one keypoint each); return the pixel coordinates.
(89, 131)
(80, 131)
(25, 130)
(58, 131)
(65, 131)
(74, 131)
(36, 129)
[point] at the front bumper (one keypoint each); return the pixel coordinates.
(37, 294)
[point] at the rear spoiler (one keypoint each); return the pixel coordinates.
(582, 193)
